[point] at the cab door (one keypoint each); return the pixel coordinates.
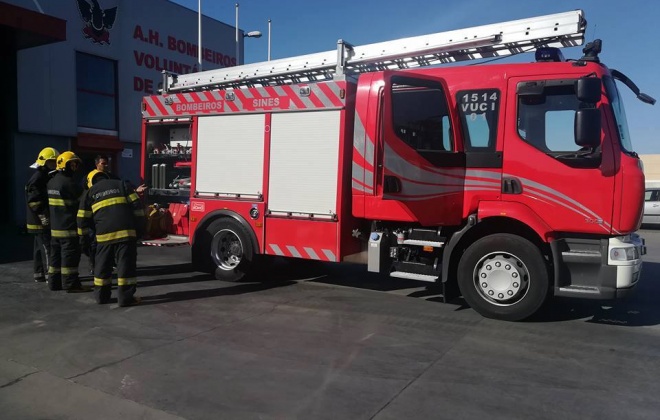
(570, 188)
(421, 168)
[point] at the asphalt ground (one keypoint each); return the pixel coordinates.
(319, 341)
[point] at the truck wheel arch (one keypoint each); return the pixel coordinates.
(201, 259)
(516, 211)
(518, 219)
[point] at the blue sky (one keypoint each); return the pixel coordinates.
(629, 30)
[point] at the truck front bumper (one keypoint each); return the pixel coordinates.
(597, 268)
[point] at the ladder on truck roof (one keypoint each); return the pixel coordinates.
(555, 30)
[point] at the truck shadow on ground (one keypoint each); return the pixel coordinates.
(192, 278)
(626, 314)
(642, 308)
(160, 270)
(273, 273)
(239, 289)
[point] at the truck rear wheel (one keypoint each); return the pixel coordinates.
(503, 276)
(231, 250)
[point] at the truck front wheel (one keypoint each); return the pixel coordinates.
(503, 276)
(231, 250)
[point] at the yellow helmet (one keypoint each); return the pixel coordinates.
(65, 158)
(92, 174)
(46, 154)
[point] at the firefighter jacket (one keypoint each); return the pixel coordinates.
(113, 210)
(64, 199)
(36, 197)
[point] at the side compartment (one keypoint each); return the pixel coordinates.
(302, 217)
(230, 156)
(168, 162)
(166, 171)
(304, 162)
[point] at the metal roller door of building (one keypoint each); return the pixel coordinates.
(304, 155)
(230, 155)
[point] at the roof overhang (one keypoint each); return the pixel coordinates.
(22, 28)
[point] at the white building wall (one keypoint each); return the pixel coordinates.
(140, 43)
(143, 40)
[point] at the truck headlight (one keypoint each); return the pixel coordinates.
(624, 254)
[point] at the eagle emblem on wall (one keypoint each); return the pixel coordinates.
(97, 20)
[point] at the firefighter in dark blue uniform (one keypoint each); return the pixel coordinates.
(64, 199)
(115, 213)
(37, 216)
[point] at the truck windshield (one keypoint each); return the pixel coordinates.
(619, 113)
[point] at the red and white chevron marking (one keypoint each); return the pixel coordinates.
(301, 252)
(321, 95)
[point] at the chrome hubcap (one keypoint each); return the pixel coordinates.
(227, 249)
(501, 278)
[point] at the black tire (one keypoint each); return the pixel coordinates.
(488, 274)
(231, 250)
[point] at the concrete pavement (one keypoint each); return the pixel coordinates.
(303, 344)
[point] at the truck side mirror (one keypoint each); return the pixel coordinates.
(587, 127)
(588, 89)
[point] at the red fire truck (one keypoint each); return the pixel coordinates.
(504, 183)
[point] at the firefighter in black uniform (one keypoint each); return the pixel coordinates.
(101, 162)
(115, 212)
(64, 199)
(37, 216)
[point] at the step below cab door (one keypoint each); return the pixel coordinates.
(420, 168)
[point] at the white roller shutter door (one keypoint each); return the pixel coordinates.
(304, 162)
(230, 154)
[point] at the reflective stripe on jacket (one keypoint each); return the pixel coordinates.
(113, 210)
(63, 200)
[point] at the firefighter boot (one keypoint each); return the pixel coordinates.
(71, 281)
(40, 254)
(102, 292)
(78, 288)
(126, 295)
(103, 273)
(54, 278)
(126, 267)
(54, 271)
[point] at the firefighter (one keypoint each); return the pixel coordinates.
(101, 162)
(115, 212)
(63, 199)
(37, 216)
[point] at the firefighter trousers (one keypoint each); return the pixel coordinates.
(40, 255)
(125, 254)
(64, 260)
(92, 253)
